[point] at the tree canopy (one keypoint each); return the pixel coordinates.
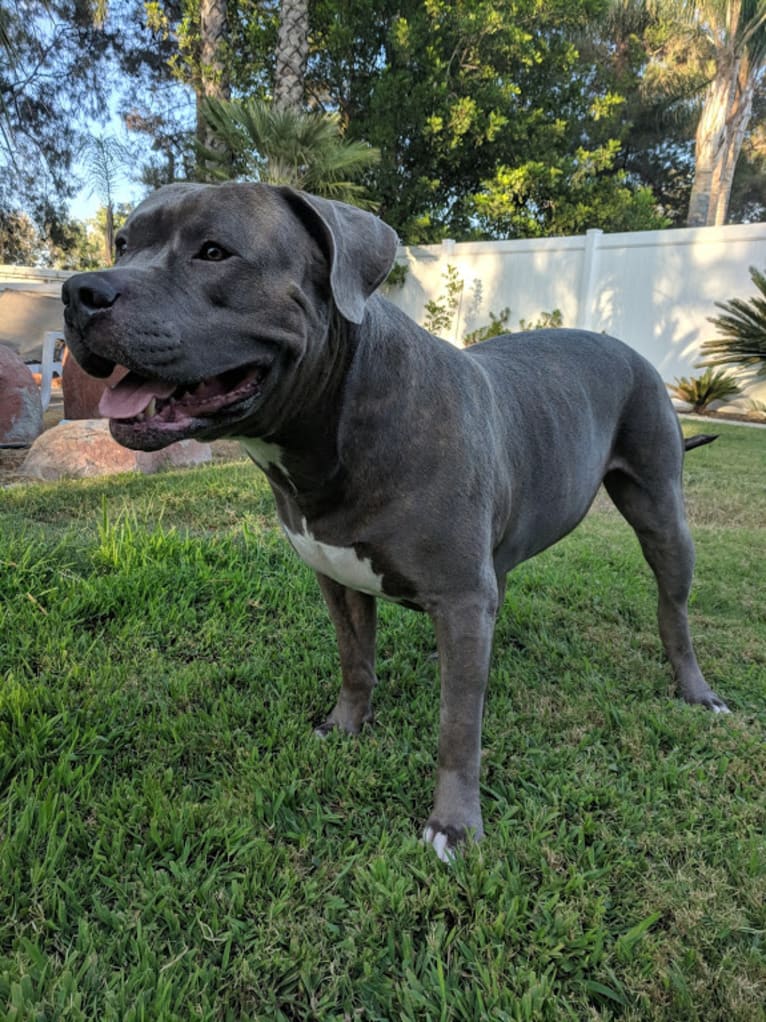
(525, 118)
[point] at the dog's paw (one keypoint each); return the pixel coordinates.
(717, 705)
(710, 701)
(323, 730)
(440, 841)
(445, 841)
(348, 724)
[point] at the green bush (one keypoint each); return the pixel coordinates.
(440, 311)
(701, 391)
(498, 324)
(440, 314)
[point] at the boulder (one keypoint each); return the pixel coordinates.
(21, 410)
(85, 448)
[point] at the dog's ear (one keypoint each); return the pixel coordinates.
(361, 248)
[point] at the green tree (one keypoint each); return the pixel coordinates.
(280, 145)
(66, 244)
(641, 60)
(68, 66)
(77, 245)
(490, 121)
(218, 48)
(49, 79)
(19, 240)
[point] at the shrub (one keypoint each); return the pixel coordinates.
(440, 314)
(545, 321)
(498, 324)
(441, 311)
(701, 391)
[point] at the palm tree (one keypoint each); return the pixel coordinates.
(214, 78)
(105, 159)
(735, 33)
(291, 54)
(280, 145)
(707, 58)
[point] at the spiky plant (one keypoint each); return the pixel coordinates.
(743, 327)
(278, 145)
(701, 391)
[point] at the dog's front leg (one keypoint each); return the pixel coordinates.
(464, 632)
(354, 617)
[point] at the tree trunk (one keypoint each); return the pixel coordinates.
(109, 233)
(214, 77)
(291, 55)
(726, 112)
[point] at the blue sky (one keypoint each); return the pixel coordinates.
(86, 204)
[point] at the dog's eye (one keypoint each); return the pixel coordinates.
(120, 245)
(212, 253)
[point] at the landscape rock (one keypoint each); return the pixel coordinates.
(84, 448)
(21, 410)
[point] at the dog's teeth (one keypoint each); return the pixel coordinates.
(151, 409)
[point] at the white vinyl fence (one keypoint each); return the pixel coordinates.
(653, 289)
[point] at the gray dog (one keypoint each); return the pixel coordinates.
(402, 467)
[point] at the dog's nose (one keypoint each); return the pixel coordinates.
(86, 294)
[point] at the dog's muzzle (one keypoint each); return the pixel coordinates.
(87, 295)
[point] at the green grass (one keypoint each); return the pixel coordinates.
(176, 844)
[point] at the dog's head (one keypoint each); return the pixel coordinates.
(219, 305)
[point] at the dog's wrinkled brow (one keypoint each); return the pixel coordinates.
(145, 229)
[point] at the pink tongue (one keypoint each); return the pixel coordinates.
(130, 396)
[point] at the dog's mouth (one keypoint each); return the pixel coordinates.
(148, 413)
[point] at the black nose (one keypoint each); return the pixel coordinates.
(86, 294)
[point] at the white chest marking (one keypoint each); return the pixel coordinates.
(340, 563)
(264, 454)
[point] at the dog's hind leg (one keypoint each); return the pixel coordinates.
(354, 616)
(655, 509)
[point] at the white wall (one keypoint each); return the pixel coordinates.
(653, 289)
(29, 278)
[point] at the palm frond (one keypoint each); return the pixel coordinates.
(104, 159)
(280, 145)
(743, 331)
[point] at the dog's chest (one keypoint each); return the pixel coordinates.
(341, 563)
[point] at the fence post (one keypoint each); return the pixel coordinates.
(588, 278)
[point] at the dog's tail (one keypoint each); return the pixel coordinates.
(691, 442)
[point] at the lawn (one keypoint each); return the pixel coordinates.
(176, 844)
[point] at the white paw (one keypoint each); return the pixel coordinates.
(440, 844)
